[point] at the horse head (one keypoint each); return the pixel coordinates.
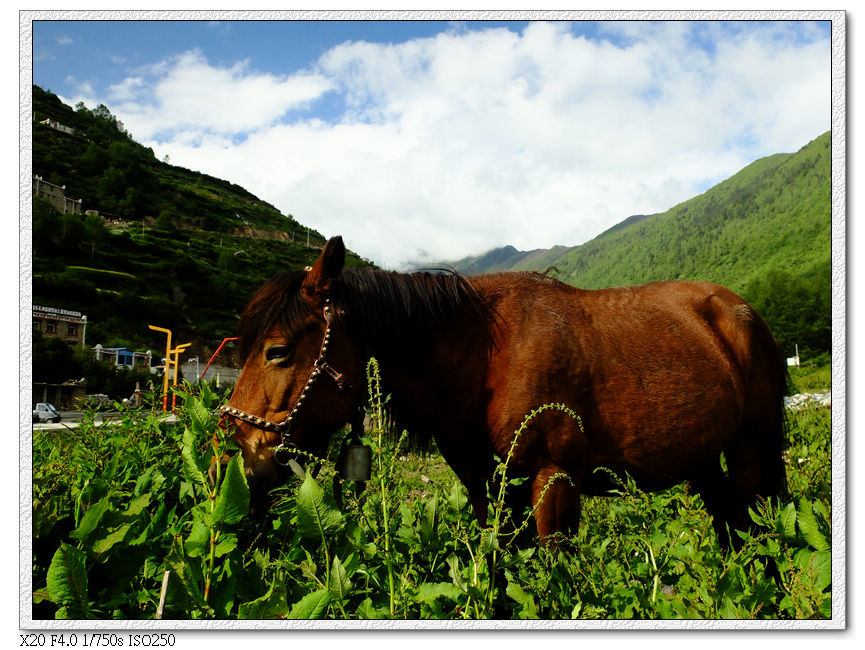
(302, 377)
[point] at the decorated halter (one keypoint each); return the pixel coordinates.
(284, 428)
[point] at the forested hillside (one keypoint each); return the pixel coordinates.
(765, 233)
(169, 246)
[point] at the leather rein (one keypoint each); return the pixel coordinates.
(284, 428)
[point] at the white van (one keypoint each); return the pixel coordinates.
(45, 412)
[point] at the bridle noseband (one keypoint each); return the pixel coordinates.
(284, 428)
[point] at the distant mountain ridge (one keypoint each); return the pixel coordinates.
(508, 258)
(185, 250)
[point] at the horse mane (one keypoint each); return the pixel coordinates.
(394, 314)
(385, 309)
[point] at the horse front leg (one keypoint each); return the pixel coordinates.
(476, 486)
(474, 476)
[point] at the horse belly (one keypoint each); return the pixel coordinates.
(660, 429)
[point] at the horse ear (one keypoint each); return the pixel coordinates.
(326, 269)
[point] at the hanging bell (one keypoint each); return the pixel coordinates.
(358, 463)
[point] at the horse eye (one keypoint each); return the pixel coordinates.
(276, 352)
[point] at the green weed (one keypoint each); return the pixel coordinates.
(117, 508)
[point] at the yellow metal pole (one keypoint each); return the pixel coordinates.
(167, 365)
(177, 352)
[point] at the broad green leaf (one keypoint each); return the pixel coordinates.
(431, 591)
(338, 585)
(311, 606)
(137, 505)
(105, 544)
(658, 541)
(787, 522)
(458, 497)
(489, 541)
(200, 417)
(820, 509)
(316, 517)
(821, 563)
(91, 518)
(186, 491)
(428, 522)
(729, 610)
(522, 556)
(232, 502)
(192, 463)
(825, 608)
(809, 527)
(198, 542)
(351, 563)
(273, 604)
(186, 577)
(143, 482)
(455, 573)
(67, 581)
(149, 482)
(223, 588)
(207, 397)
(156, 526)
(226, 544)
(367, 611)
(528, 607)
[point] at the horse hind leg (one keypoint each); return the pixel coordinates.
(556, 503)
(712, 485)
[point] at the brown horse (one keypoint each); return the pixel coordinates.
(664, 377)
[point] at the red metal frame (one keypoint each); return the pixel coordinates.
(215, 354)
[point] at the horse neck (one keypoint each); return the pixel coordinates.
(430, 357)
(429, 384)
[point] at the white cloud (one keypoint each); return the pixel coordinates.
(452, 145)
(188, 95)
(83, 88)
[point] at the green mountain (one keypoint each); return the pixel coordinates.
(774, 214)
(765, 233)
(162, 245)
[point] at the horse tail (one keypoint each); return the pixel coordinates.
(773, 437)
(755, 455)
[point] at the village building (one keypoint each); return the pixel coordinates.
(71, 326)
(57, 126)
(56, 196)
(125, 358)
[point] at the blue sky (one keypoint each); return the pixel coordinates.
(422, 141)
